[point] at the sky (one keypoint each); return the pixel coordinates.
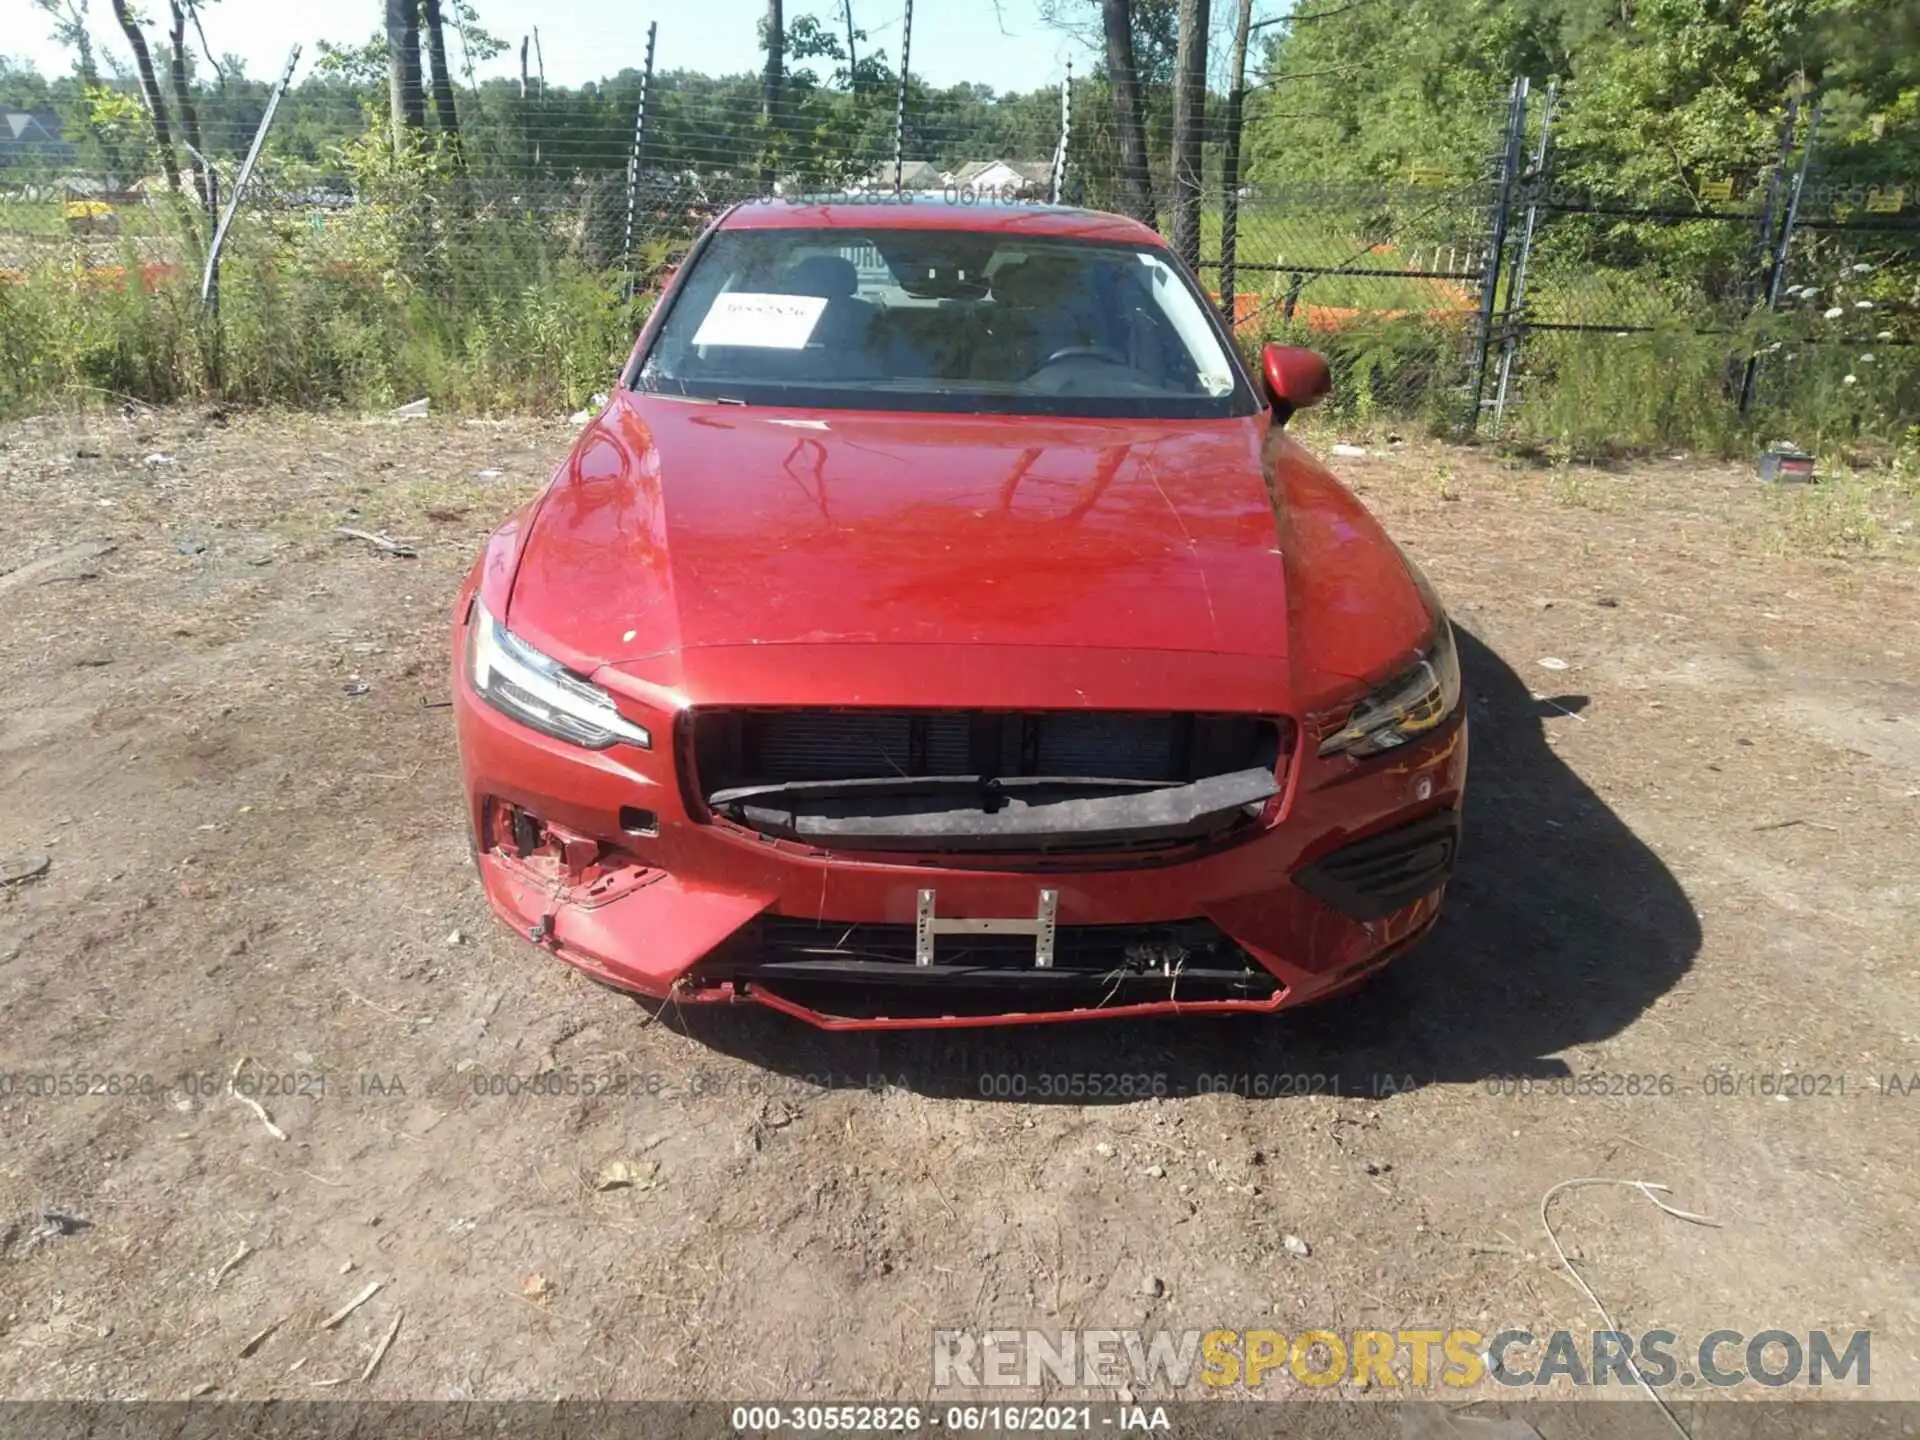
(1006, 46)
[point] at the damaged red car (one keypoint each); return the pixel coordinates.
(939, 627)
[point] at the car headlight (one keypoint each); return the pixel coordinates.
(1417, 700)
(540, 692)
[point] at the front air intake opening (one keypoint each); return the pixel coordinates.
(869, 970)
(961, 780)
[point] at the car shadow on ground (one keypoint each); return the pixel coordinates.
(1561, 926)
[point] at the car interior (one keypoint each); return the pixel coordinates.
(1029, 316)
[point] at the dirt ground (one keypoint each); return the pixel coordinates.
(1692, 853)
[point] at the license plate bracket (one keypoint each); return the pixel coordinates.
(1044, 926)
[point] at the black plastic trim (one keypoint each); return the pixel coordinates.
(913, 814)
(1372, 878)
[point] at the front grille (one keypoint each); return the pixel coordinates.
(771, 747)
(867, 970)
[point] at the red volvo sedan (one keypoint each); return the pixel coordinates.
(938, 627)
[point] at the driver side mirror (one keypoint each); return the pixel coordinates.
(1295, 378)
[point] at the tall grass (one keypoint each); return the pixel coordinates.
(542, 338)
(1673, 374)
(423, 288)
(1388, 370)
(1598, 394)
(416, 290)
(1602, 393)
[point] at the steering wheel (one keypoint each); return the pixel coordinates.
(1089, 352)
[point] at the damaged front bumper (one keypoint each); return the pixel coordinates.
(696, 913)
(595, 857)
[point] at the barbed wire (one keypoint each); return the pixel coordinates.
(589, 193)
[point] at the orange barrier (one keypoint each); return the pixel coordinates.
(1334, 318)
(1258, 313)
(153, 274)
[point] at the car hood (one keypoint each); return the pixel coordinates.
(675, 526)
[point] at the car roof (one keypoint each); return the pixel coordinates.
(937, 212)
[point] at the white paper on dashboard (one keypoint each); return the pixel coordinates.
(770, 322)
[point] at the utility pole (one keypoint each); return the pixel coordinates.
(900, 105)
(770, 90)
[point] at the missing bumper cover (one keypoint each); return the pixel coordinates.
(866, 970)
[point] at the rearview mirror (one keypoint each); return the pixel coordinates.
(1295, 379)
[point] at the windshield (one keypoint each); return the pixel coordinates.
(942, 320)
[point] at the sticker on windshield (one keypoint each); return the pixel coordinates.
(768, 322)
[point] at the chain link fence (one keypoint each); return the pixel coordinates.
(1385, 282)
(1775, 302)
(501, 255)
(504, 253)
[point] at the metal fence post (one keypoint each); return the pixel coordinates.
(1778, 270)
(1066, 130)
(633, 157)
(1513, 140)
(1515, 314)
(1739, 371)
(210, 279)
(1230, 164)
(900, 106)
(1770, 212)
(1777, 264)
(1229, 241)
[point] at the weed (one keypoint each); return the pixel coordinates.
(1385, 367)
(400, 296)
(1847, 513)
(1582, 487)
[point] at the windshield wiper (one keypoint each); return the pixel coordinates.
(686, 399)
